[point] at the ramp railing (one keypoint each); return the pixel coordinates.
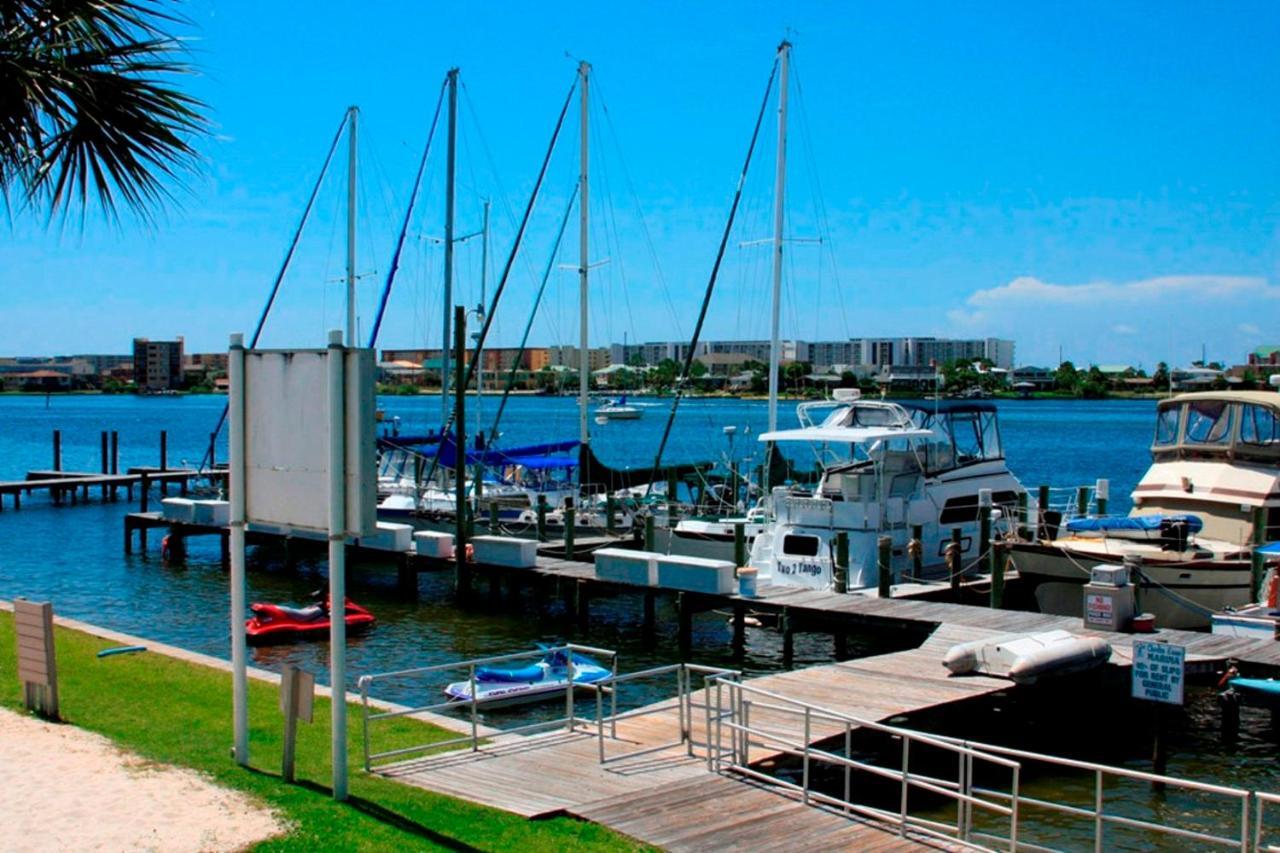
(687, 703)
(428, 677)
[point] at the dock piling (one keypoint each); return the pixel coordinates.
(955, 558)
(57, 450)
(542, 517)
(684, 619)
(569, 520)
(884, 558)
(1042, 506)
(608, 514)
(739, 544)
(1082, 501)
(1259, 563)
(115, 452)
(739, 630)
(788, 637)
(998, 558)
(648, 532)
(164, 461)
(916, 549)
(648, 620)
(842, 562)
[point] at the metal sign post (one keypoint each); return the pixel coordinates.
(302, 459)
(235, 495)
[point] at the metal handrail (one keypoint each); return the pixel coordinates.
(965, 796)
(964, 791)
(1099, 815)
(569, 720)
(1262, 799)
(684, 703)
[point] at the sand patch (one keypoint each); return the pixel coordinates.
(63, 788)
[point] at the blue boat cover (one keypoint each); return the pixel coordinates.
(1270, 548)
(1265, 686)
(1119, 523)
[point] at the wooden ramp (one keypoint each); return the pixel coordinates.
(668, 796)
(714, 812)
(547, 774)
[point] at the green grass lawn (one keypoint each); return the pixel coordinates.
(179, 713)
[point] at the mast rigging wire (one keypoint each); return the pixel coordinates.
(275, 287)
(502, 280)
(711, 283)
(533, 313)
(404, 227)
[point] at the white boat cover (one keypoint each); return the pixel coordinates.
(844, 435)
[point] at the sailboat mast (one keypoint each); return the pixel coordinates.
(779, 217)
(484, 278)
(352, 148)
(584, 362)
(447, 306)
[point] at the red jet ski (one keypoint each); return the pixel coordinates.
(278, 623)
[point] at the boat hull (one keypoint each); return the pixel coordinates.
(1179, 593)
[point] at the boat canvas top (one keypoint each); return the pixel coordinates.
(845, 435)
(1231, 426)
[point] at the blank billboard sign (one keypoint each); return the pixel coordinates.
(286, 407)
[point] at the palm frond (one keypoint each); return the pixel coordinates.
(87, 111)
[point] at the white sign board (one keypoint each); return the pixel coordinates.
(1159, 672)
(286, 434)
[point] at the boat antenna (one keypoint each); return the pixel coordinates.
(711, 282)
(404, 225)
(284, 267)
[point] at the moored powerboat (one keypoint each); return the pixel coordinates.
(887, 467)
(1215, 459)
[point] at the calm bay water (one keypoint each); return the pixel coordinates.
(74, 556)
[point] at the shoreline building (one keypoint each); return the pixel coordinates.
(158, 365)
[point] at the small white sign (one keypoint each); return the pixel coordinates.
(1159, 672)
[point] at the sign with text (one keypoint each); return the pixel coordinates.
(1159, 672)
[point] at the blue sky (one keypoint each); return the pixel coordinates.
(1100, 177)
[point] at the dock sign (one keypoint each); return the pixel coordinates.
(1159, 672)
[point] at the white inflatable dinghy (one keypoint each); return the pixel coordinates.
(1024, 658)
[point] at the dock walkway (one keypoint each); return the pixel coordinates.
(667, 796)
(73, 486)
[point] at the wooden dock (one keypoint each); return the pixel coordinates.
(667, 796)
(71, 487)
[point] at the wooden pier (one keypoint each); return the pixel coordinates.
(72, 487)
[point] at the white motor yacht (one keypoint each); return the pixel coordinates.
(887, 466)
(1215, 461)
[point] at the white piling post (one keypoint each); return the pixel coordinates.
(236, 477)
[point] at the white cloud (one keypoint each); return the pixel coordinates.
(1166, 318)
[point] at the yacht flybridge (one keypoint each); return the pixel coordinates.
(1215, 463)
(887, 466)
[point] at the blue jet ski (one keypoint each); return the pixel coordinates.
(509, 685)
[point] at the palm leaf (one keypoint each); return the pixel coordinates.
(87, 112)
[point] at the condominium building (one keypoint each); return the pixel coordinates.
(157, 365)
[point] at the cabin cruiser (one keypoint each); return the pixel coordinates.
(887, 466)
(1215, 462)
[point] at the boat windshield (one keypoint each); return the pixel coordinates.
(1208, 422)
(960, 437)
(1213, 426)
